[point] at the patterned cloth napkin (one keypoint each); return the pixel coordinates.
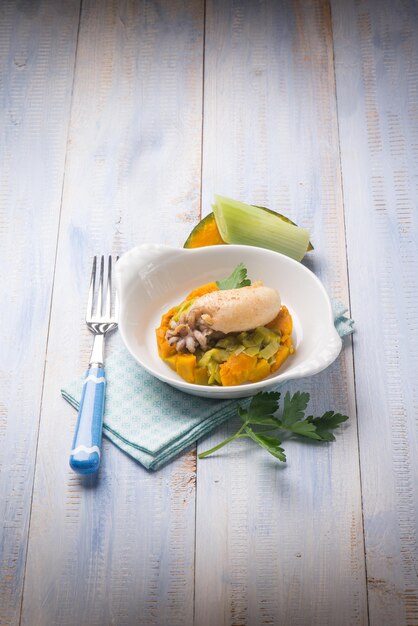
(150, 420)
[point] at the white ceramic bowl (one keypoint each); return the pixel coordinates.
(152, 278)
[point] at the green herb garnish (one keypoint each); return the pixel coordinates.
(236, 280)
(260, 419)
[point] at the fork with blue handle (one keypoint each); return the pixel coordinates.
(85, 453)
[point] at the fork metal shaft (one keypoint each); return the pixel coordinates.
(97, 353)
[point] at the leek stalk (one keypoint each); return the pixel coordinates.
(241, 223)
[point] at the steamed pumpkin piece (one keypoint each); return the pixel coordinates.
(223, 356)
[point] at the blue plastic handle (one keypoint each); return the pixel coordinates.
(85, 454)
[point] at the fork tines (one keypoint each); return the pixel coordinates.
(102, 312)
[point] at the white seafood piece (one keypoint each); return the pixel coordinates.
(237, 310)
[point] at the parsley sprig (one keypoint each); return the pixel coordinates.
(259, 419)
(236, 280)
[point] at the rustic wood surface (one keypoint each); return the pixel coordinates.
(376, 63)
(120, 120)
(38, 47)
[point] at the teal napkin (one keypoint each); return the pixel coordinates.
(151, 421)
(344, 325)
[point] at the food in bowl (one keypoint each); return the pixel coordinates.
(226, 333)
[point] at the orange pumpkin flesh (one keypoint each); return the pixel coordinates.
(260, 371)
(282, 323)
(185, 366)
(237, 369)
(205, 233)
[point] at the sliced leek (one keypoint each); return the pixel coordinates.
(246, 224)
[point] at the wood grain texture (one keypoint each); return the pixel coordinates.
(118, 550)
(376, 52)
(280, 544)
(274, 544)
(37, 52)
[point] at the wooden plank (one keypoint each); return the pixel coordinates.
(376, 52)
(274, 544)
(37, 52)
(120, 550)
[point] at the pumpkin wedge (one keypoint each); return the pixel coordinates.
(206, 232)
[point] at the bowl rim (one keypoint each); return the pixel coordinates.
(331, 350)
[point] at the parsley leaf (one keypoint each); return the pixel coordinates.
(294, 408)
(293, 416)
(271, 444)
(263, 403)
(260, 413)
(261, 408)
(305, 429)
(236, 280)
(327, 422)
(266, 420)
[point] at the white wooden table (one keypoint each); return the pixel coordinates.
(120, 120)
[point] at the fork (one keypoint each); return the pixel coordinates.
(85, 453)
